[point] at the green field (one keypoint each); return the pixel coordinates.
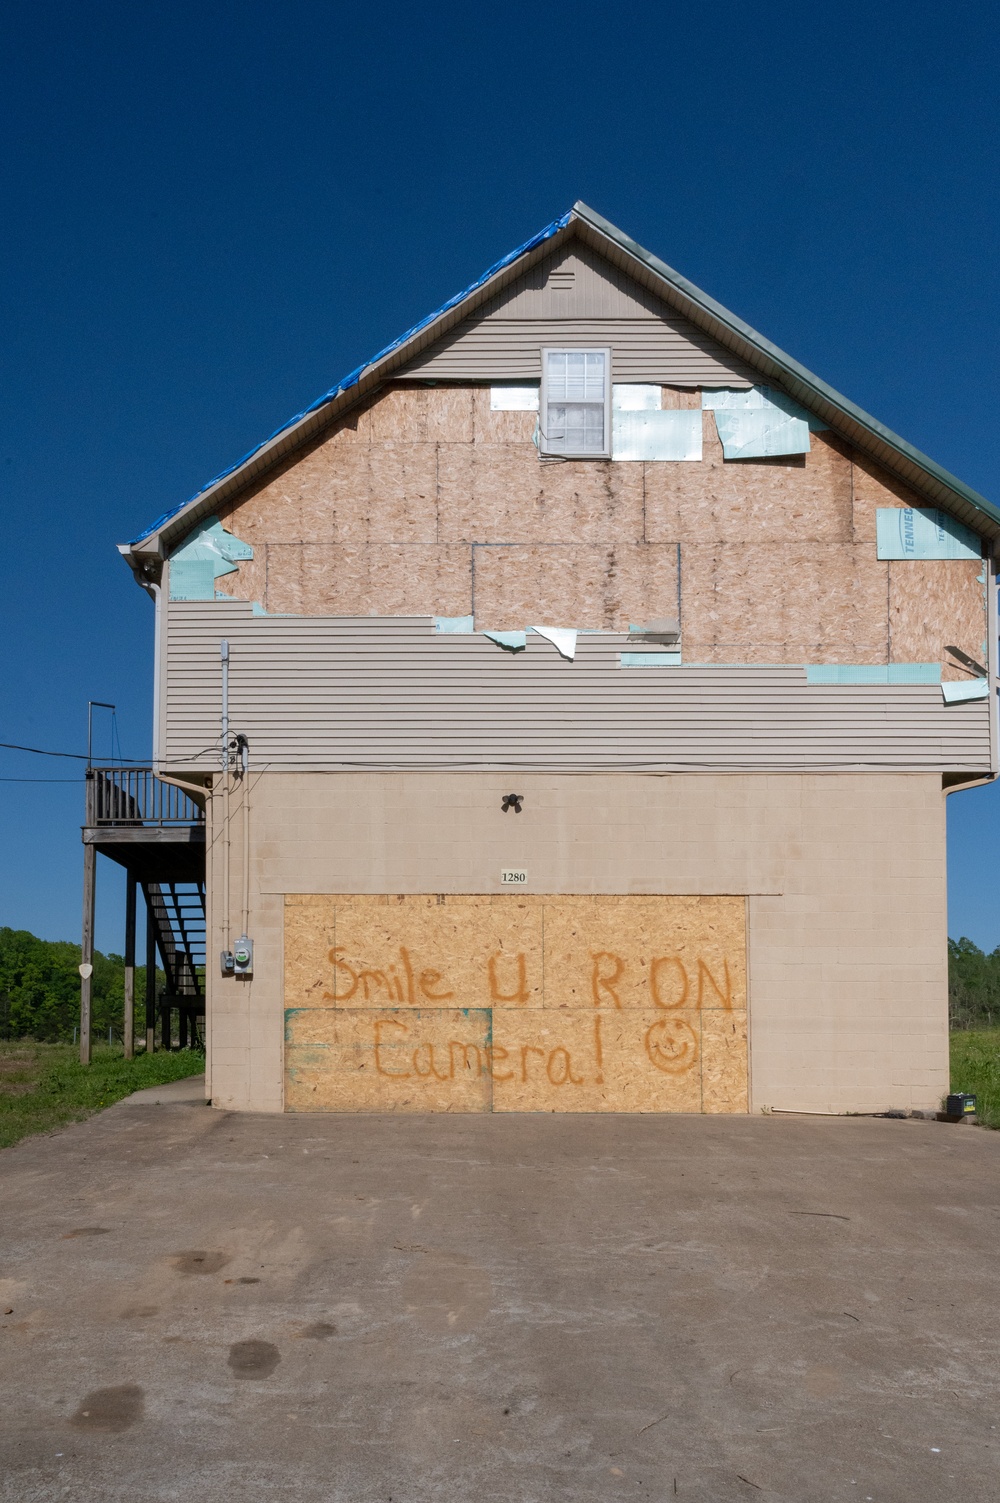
(975, 1066)
(44, 1086)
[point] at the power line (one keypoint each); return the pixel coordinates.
(41, 780)
(41, 752)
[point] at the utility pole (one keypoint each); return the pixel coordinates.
(129, 1021)
(87, 950)
(89, 885)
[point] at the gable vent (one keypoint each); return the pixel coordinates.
(562, 281)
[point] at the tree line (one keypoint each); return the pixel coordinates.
(973, 985)
(40, 988)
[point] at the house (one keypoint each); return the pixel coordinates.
(573, 692)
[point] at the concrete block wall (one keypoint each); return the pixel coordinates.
(844, 875)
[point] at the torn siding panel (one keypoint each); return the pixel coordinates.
(504, 494)
(656, 436)
(207, 554)
(919, 532)
(191, 579)
(331, 694)
(379, 580)
(594, 588)
(514, 398)
(873, 673)
(933, 606)
(454, 625)
(511, 641)
(800, 603)
(807, 498)
(637, 398)
(650, 659)
(760, 433)
(955, 694)
(760, 398)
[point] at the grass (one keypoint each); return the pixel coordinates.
(44, 1086)
(975, 1066)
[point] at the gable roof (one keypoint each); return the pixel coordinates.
(921, 474)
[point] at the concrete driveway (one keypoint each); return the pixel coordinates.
(209, 1307)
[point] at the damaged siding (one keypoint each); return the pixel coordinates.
(338, 694)
(428, 502)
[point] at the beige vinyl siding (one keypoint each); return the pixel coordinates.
(575, 283)
(641, 350)
(577, 298)
(336, 693)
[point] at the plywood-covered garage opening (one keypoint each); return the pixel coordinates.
(438, 1003)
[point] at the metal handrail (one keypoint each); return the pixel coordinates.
(136, 796)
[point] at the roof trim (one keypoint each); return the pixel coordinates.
(893, 453)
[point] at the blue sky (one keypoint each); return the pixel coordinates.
(213, 211)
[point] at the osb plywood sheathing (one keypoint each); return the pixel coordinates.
(802, 498)
(587, 587)
(791, 603)
(383, 579)
(521, 1003)
(936, 605)
(872, 488)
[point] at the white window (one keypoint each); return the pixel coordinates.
(575, 418)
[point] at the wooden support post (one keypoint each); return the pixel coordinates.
(129, 1018)
(166, 1013)
(150, 980)
(87, 950)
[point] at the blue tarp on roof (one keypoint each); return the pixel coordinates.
(355, 376)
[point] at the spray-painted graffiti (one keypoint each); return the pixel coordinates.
(408, 981)
(516, 1004)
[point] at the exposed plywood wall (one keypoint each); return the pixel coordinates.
(426, 502)
(873, 488)
(798, 603)
(804, 498)
(440, 1003)
(599, 586)
(934, 606)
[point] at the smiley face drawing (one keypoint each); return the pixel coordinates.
(672, 1045)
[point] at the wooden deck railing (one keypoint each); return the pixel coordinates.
(136, 796)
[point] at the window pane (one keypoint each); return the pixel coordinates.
(575, 375)
(594, 377)
(575, 428)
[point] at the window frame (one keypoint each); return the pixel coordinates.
(543, 400)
